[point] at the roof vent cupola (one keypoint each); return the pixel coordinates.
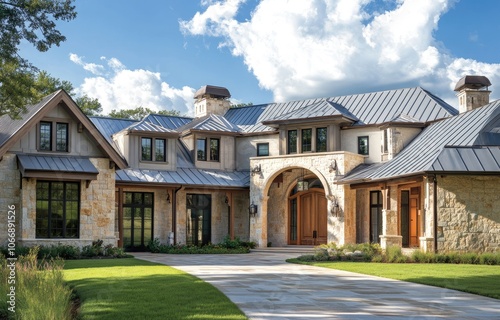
(472, 92)
(211, 100)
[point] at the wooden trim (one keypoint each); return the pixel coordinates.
(384, 184)
(59, 175)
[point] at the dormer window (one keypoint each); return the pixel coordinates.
(48, 138)
(201, 149)
(156, 153)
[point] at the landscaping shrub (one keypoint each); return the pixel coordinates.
(393, 254)
(225, 247)
(67, 252)
(40, 289)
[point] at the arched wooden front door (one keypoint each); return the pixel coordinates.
(308, 218)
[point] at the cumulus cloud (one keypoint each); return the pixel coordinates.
(301, 49)
(117, 87)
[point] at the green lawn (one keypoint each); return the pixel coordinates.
(135, 289)
(479, 279)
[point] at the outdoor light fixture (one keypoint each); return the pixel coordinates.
(168, 197)
(302, 184)
(333, 166)
(252, 209)
(226, 199)
(335, 208)
(256, 169)
(80, 127)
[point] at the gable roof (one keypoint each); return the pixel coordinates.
(211, 122)
(12, 130)
(373, 108)
(451, 145)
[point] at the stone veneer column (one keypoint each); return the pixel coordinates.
(390, 229)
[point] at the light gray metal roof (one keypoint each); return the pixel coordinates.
(186, 177)
(211, 122)
(8, 126)
(147, 127)
(31, 162)
(468, 159)
(369, 108)
(427, 152)
(169, 122)
(319, 109)
(109, 126)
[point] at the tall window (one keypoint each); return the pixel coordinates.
(214, 149)
(57, 209)
(292, 141)
(306, 140)
(363, 145)
(375, 216)
(160, 150)
(46, 136)
(262, 149)
(61, 137)
(386, 142)
(201, 149)
(137, 219)
(146, 152)
(321, 138)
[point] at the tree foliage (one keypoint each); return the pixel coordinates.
(240, 105)
(32, 21)
(89, 106)
(139, 113)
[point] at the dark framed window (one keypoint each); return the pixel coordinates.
(363, 145)
(160, 150)
(45, 136)
(262, 149)
(57, 209)
(61, 137)
(201, 149)
(138, 214)
(199, 219)
(214, 149)
(375, 216)
(146, 150)
(306, 140)
(292, 141)
(321, 139)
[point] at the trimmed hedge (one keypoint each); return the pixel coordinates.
(227, 246)
(67, 252)
(368, 252)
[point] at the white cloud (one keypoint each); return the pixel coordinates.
(93, 68)
(301, 49)
(116, 87)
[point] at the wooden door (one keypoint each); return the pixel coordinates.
(313, 218)
(414, 221)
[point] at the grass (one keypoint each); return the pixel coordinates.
(478, 279)
(136, 289)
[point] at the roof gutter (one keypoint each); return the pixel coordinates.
(435, 215)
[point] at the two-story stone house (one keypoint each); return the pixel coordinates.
(357, 168)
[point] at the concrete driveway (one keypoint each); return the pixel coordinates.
(264, 286)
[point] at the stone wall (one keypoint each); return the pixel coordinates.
(271, 220)
(468, 213)
(97, 210)
(10, 195)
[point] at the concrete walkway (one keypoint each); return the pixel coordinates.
(264, 286)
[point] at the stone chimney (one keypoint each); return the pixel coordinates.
(211, 100)
(472, 92)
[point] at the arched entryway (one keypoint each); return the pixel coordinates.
(307, 217)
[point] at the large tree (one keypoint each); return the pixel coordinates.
(32, 21)
(139, 113)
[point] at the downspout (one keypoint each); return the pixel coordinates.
(435, 215)
(174, 212)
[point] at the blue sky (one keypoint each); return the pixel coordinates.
(156, 53)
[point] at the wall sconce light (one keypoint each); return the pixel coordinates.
(80, 127)
(252, 209)
(226, 199)
(333, 166)
(335, 209)
(256, 169)
(168, 197)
